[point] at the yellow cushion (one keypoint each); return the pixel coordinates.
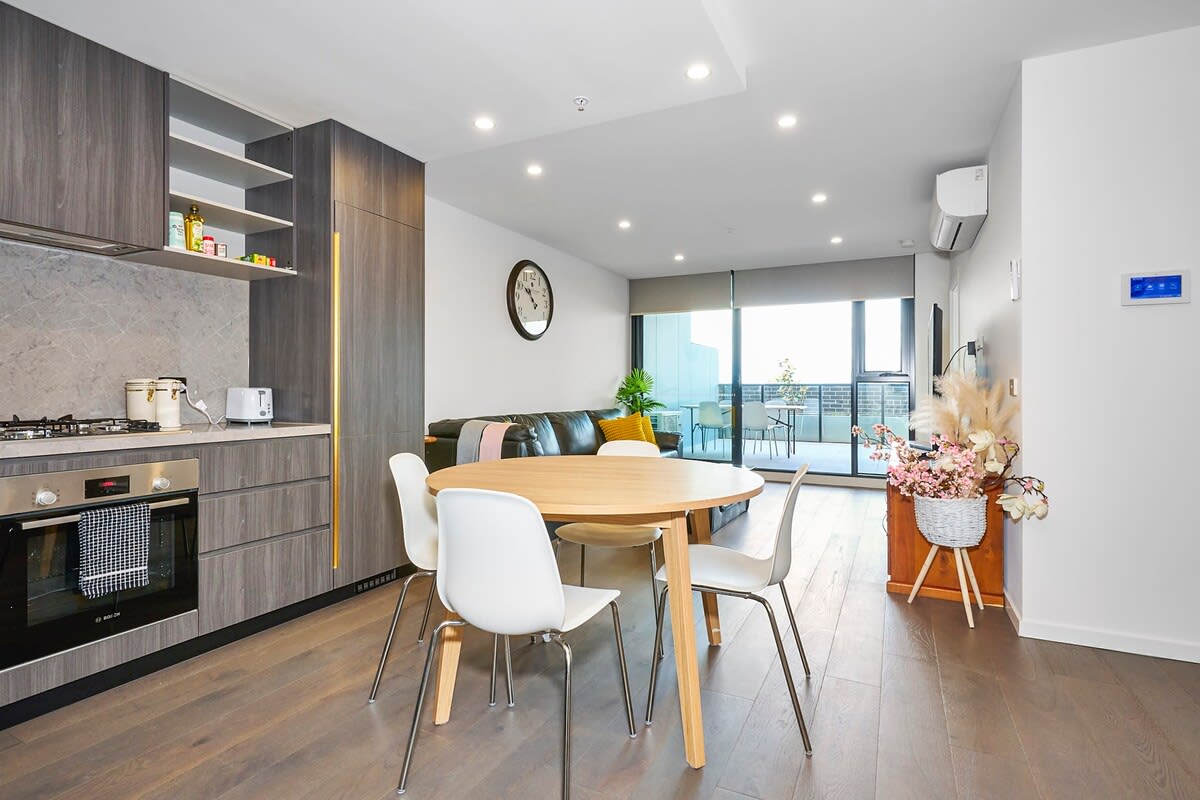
(622, 428)
(647, 429)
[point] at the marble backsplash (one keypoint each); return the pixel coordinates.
(74, 327)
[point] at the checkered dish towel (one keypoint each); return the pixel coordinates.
(114, 549)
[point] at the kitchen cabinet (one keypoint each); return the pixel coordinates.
(359, 217)
(83, 137)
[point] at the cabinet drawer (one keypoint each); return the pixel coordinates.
(244, 465)
(231, 519)
(239, 584)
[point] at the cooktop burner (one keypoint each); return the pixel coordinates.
(24, 429)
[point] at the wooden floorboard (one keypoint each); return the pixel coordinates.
(904, 701)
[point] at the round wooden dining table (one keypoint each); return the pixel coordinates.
(632, 491)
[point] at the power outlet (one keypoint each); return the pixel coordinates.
(1014, 388)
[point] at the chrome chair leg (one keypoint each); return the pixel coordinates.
(654, 587)
(425, 617)
(787, 671)
(412, 736)
(566, 734)
(508, 673)
(387, 645)
(658, 647)
(495, 658)
(616, 615)
(795, 631)
(582, 558)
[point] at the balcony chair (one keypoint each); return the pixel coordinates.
(756, 420)
(709, 416)
(496, 570)
(418, 517)
(733, 573)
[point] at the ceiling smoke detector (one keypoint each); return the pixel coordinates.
(581, 102)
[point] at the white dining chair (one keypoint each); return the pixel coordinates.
(722, 570)
(418, 518)
(497, 572)
(709, 416)
(756, 420)
(599, 534)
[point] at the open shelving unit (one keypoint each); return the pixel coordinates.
(210, 167)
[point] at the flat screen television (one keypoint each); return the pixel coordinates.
(934, 342)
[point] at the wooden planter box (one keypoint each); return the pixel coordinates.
(907, 550)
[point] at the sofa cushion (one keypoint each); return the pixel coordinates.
(542, 430)
(575, 431)
(647, 429)
(622, 429)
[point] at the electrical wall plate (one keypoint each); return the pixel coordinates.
(1014, 279)
(1156, 288)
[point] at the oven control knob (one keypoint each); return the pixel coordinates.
(160, 484)
(45, 497)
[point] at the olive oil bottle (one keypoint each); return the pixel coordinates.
(193, 230)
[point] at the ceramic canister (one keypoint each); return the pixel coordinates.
(139, 399)
(166, 404)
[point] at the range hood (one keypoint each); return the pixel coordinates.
(48, 238)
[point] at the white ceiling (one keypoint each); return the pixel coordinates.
(888, 93)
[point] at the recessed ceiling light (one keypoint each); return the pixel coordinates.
(534, 169)
(698, 72)
(485, 123)
(624, 224)
(787, 121)
(907, 243)
(679, 256)
(836, 240)
(819, 198)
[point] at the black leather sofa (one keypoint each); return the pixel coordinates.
(549, 433)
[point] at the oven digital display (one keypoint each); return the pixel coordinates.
(106, 487)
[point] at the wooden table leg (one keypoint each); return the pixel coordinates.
(702, 528)
(447, 670)
(679, 581)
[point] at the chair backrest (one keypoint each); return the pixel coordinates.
(496, 568)
(754, 415)
(418, 510)
(781, 561)
(709, 414)
(629, 447)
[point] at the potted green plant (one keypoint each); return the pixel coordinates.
(634, 393)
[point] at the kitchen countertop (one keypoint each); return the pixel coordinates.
(188, 434)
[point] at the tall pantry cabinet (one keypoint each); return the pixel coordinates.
(343, 341)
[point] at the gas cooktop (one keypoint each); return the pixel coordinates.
(24, 429)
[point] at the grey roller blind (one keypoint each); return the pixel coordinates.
(869, 279)
(705, 292)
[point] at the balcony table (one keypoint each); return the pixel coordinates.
(630, 491)
(792, 411)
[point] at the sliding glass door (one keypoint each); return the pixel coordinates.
(775, 387)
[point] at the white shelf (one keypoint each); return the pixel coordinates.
(188, 261)
(227, 217)
(219, 115)
(210, 162)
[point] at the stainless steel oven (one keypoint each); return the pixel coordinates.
(42, 610)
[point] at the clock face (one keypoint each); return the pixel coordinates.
(530, 300)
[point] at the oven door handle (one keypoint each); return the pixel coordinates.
(46, 523)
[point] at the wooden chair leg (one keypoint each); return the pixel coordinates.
(971, 574)
(962, 587)
(924, 571)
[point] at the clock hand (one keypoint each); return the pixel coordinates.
(535, 305)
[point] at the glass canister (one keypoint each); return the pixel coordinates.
(166, 404)
(139, 399)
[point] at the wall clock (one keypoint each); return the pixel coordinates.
(530, 300)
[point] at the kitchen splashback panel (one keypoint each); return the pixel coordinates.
(74, 327)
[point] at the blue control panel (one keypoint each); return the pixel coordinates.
(1156, 288)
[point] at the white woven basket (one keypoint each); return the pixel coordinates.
(952, 523)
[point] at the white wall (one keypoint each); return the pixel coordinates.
(986, 312)
(475, 363)
(1110, 186)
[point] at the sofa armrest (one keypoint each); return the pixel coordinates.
(669, 443)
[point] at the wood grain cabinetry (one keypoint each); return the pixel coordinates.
(82, 142)
(368, 198)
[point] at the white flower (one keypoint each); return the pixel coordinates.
(993, 466)
(983, 440)
(1013, 504)
(1041, 509)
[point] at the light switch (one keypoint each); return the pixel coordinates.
(1014, 279)
(1013, 388)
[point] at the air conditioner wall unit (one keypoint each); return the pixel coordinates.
(960, 205)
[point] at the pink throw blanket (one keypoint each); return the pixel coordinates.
(492, 440)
